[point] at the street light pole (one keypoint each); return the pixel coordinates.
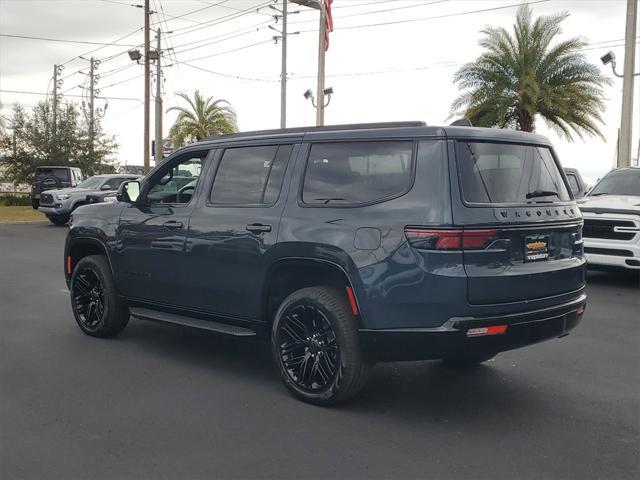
(91, 106)
(283, 72)
(159, 153)
(147, 87)
(626, 123)
(321, 62)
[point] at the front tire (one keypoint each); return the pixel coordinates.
(315, 345)
(96, 307)
(58, 219)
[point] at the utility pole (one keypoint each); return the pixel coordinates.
(283, 72)
(56, 70)
(320, 91)
(147, 86)
(159, 153)
(92, 66)
(626, 123)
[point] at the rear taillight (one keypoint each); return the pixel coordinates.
(432, 239)
(33, 184)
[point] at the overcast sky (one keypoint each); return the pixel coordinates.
(399, 71)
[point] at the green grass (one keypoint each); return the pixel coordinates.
(20, 215)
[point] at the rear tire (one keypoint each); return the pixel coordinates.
(315, 345)
(468, 361)
(58, 219)
(35, 203)
(96, 307)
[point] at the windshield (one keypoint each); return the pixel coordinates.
(91, 183)
(618, 182)
(508, 173)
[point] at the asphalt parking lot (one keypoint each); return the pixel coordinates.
(168, 402)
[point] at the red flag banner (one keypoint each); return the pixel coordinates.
(328, 23)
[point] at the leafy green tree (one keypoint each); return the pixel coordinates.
(203, 117)
(34, 142)
(528, 73)
(14, 148)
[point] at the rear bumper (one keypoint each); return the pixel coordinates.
(451, 339)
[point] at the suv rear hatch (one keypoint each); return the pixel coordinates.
(51, 178)
(524, 228)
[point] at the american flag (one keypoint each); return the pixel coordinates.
(328, 23)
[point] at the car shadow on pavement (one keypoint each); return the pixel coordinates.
(618, 278)
(405, 390)
(433, 392)
(223, 354)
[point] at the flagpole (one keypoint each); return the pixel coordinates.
(321, 51)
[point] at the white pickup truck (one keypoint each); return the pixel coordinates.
(611, 212)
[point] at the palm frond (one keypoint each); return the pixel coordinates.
(526, 73)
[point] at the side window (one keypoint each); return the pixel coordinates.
(250, 175)
(352, 173)
(115, 182)
(573, 183)
(177, 184)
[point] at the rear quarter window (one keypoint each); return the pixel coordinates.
(356, 173)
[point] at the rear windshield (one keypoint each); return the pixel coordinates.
(60, 173)
(619, 182)
(508, 173)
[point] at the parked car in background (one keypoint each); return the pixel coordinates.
(578, 187)
(53, 178)
(131, 169)
(342, 246)
(57, 205)
(99, 197)
(611, 214)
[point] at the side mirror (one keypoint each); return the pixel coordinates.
(106, 186)
(128, 192)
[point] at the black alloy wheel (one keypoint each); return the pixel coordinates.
(308, 347)
(98, 310)
(314, 341)
(88, 299)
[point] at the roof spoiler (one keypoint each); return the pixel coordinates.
(462, 122)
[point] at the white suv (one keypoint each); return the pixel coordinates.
(611, 214)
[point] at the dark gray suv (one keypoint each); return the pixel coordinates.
(58, 205)
(342, 246)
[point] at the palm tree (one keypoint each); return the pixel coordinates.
(522, 75)
(205, 117)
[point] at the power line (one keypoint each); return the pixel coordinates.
(228, 51)
(85, 42)
(122, 81)
(229, 75)
(44, 94)
(217, 21)
(181, 17)
(170, 47)
(412, 20)
(371, 12)
(250, 29)
(240, 34)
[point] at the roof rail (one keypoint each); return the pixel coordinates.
(353, 126)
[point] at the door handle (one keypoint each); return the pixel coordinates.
(172, 225)
(258, 228)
